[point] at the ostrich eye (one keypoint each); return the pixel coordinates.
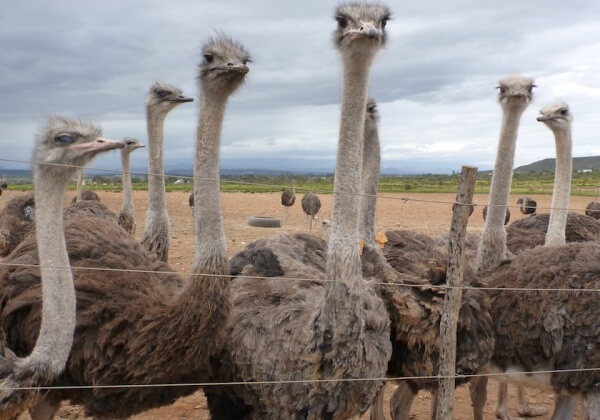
(383, 23)
(342, 21)
(65, 139)
(563, 112)
(502, 89)
(208, 58)
(372, 108)
(530, 88)
(162, 93)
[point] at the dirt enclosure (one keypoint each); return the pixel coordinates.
(392, 213)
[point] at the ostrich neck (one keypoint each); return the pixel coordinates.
(156, 181)
(126, 176)
(492, 247)
(58, 294)
(210, 234)
(562, 189)
(369, 185)
(343, 259)
(79, 186)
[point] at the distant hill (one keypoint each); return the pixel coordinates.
(548, 165)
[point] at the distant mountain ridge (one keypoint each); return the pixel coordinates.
(548, 165)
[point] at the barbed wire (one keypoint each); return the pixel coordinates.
(266, 185)
(423, 281)
(302, 381)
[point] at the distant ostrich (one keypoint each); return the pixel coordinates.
(506, 215)
(191, 200)
(288, 198)
(127, 215)
(131, 323)
(316, 330)
(3, 184)
(65, 142)
(311, 206)
(82, 194)
(528, 205)
(160, 101)
(592, 209)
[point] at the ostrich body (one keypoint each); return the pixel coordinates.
(527, 205)
(65, 142)
(558, 119)
(160, 101)
(284, 330)
(514, 96)
(191, 200)
(127, 215)
(145, 327)
(506, 214)
(3, 183)
(288, 197)
(311, 206)
(82, 194)
(593, 210)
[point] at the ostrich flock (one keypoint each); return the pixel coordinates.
(306, 328)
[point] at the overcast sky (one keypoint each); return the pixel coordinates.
(434, 81)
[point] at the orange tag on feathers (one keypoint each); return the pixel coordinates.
(381, 239)
(361, 245)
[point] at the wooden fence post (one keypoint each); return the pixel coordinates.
(454, 278)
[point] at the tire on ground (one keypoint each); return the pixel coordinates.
(266, 222)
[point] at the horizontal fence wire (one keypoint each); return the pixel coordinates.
(423, 281)
(320, 191)
(304, 381)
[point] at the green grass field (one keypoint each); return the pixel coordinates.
(583, 184)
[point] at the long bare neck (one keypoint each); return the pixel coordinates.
(79, 186)
(343, 259)
(126, 177)
(371, 163)
(562, 189)
(210, 234)
(156, 180)
(492, 247)
(58, 294)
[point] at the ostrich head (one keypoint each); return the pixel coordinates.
(162, 98)
(361, 27)
(74, 143)
(557, 117)
(131, 144)
(372, 115)
(224, 65)
(515, 92)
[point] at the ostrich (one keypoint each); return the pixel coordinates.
(288, 198)
(527, 205)
(65, 142)
(82, 194)
(160, 101)
(506, 215)
(311, 206)
(131, 325)
(191, 201)
(127, 216)
(3, 184)
(558, 119)
(415, 313)
(283, 330)
(16, 221)
(592, 209)
(552, 331)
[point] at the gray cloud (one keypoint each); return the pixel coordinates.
(434, 81)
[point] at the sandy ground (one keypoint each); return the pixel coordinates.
(392, 213)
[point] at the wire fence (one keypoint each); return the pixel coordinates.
(279, 186)
(417, 282)
(306, 381)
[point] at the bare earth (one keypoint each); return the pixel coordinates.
(392, 213)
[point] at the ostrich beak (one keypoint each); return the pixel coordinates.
(544, 117)
(98, 145)
(182, 99)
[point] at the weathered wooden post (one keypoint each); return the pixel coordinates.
(454, 278)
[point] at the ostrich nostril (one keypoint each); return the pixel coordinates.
(230, 64)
